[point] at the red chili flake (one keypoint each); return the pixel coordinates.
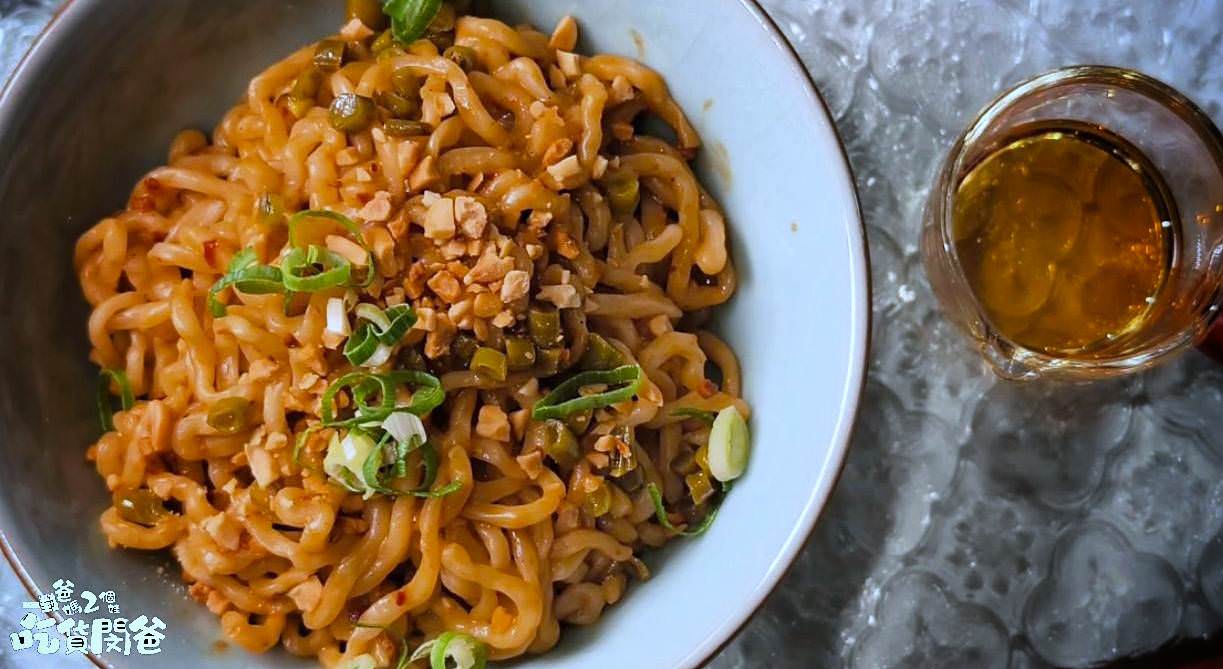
(152, 185)
(374, 167)
(210, 252)
(400, 598)
(708, 389)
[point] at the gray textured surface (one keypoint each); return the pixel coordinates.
(978, 525)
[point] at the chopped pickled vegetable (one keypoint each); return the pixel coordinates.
(699, 487)
(579, 421)
(463, 348)
(489, 362)
(624, 192)
(229, 415)
(329, 55)
(397, 105)
(139, 506)
(464, 56)
(352, 113)
(548, 361)
(520, 353)
(304, 93)
(398, 127)
(406, 82)
(660, 513)
(600, 354)
(559, 443)
(598, 501)
(545, 327)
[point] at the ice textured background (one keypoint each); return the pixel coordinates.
(978, 525)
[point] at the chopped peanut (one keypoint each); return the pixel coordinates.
(471, 215)
(224, 530)
(347, 157)
(532, 464)
(486, 305)
(439, 223)
(621, 90)
(567, 173)
(556, 151)
(437, 342)
(516, 285)
(377, 209)
(504, 319)
(563, 296)
(600, 167)
(307, 594)
(446, 286)
(488, 268)
(424, 175)
(570, 64)
(355, 30)
(493, 423)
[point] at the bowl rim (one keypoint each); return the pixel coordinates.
(46, 43)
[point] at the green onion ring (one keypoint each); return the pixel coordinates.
(554, 405)
(337, 270)
(348, 224)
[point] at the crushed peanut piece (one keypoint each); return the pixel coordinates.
(377, 209)
(556, 151)
(307, 594)
(570, 64)
(424, 175)
(224, 530)
(621, 90)
(504, 319)
(488, 268)
(532, 464)
(446, 286)
(355, 30)
(439, 222)
(563, 296)
(346, 247)
(516, 285)
(493, 423)
(567, 173)
(471, 215)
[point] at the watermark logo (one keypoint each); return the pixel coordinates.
(91, 623)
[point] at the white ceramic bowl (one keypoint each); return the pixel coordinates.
(94, 106)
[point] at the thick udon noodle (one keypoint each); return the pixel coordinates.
(281, 554)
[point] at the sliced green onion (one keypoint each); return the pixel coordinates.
(365, 661)
(346, 460)
(361, 346)
(463, 650)
(410, 18)
(698, 414)
(106, 413)
(556, 404)
(329, 55)
(660, 512)
(404, 655)
(246, 275)
(729, 445)
(427, 396)
(296, 220)
(315, 268)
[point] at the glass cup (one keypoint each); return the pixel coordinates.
(1181, 143)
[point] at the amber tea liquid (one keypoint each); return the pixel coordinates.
(1064, 234)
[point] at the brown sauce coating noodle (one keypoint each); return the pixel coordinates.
(531, 139)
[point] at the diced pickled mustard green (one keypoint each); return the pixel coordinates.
(579, 421)
(398, 127)
(463, 347)
(384, 41)
(352, 113)
(398, 106)
(229, 415)
(406, 82)
(544, 325)
(329, 55)
(598, 501)
(520, 353)
(139, 506)
(548, 361)
(600, 354)
(559, 443)
(700, 488)
(489, 362)
(444, 20)
(368, 11)
(623, 192)
(464, 56)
